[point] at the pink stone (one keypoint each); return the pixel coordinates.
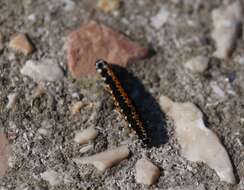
(4, 154)
(93, 41)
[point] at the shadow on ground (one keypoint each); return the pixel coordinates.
(147, 106)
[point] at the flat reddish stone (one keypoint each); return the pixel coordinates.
(93, 41)
(4, 154)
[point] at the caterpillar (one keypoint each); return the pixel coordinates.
(122, 99)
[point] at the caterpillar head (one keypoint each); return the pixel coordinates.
(101, 65)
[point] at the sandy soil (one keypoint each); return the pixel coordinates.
(185, 35)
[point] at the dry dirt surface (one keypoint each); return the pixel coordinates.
(41, 129)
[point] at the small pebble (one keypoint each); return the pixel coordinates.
(160, 18)
(39, 91)
(86, 135)
(146, 172)
(46, 70)
(86, 148)
(69, 5)
(12, 99)
(227, 24)
(108, 5)
(54, 178)
(198, 143)
(197, 64)
(32, 17)
(43, 131)
(107, 159)
(76, 107)
(75, 95)
(239, 60)
(217, 90)
(21, 44)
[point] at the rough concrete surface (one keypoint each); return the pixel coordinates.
(185, 34)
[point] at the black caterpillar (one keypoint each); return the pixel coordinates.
(121, 99)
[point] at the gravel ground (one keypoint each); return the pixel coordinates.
(185, 35)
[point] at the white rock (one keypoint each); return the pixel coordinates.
(54, 178)
(107, 159)
(86, 148)
(227, 23)
(75, 95)
(69, 5)
(217, 90)
(47, 70)
(32, 17)
(86, 135)
(12, 99)
(198, 64)
(43, 131)
(197, 142)
(146, 172)
(161, 18)
(239, 60)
